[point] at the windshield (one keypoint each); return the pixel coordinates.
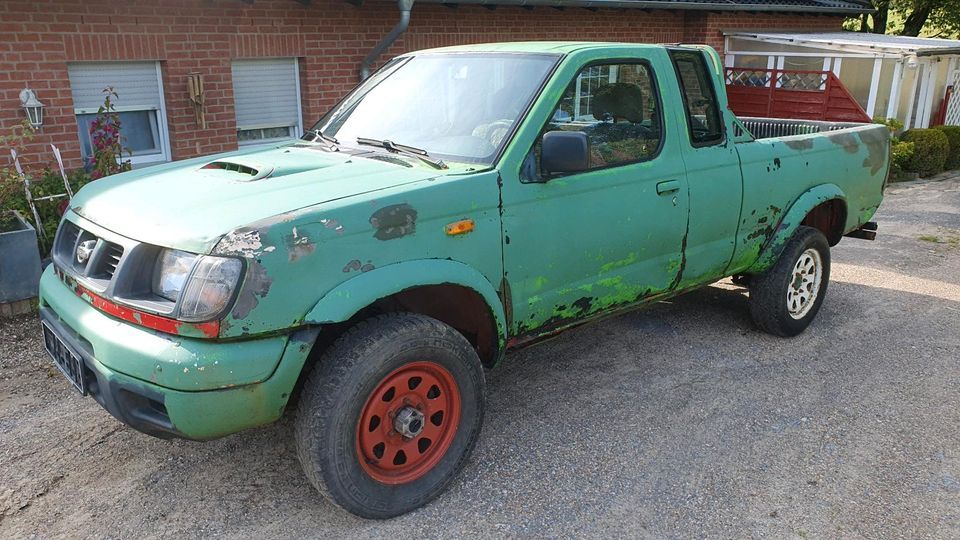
(457, 106)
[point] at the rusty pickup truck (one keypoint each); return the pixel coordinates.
(459, 203)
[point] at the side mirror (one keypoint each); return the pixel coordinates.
(564, 152)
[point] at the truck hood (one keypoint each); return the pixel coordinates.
(190, 204)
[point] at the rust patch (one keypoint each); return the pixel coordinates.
(584, 304)
(849, 143)
(256, 286)
(878, 145)
(394, 221)
(805, 143)
(333, 225)
(355, 266)
(298, 245)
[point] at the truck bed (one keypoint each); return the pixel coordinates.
(769, 128)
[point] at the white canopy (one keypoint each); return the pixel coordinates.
(857, 42)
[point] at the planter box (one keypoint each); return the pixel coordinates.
(19, 265)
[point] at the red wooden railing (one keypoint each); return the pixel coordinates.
(779, 93)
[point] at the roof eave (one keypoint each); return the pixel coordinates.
(651, 5)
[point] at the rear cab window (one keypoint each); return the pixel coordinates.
(699, 98)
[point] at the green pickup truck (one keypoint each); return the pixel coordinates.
(459, 203)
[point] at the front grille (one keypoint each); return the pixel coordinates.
(84, 254)
(108, 260)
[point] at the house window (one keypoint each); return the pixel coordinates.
(139, 104)
(266, 95)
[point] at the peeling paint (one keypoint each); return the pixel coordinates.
(394, 221)
(332, 224)
(878, 143)
(256, 286)
(845, 139)
(298, 245)
(243, 241)
(804, 143)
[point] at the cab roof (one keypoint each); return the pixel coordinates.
(537, 47)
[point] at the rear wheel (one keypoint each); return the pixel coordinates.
(785, 299)
(390, 414)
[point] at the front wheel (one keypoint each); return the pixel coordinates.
(785, 299)
(390, 414)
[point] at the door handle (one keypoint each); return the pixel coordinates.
(668, 186)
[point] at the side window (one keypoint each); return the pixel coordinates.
(617, 106)
(699, 98)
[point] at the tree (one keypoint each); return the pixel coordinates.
(879, 18)
(937, 18)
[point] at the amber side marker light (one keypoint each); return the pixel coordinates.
(460, 227)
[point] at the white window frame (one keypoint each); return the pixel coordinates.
(163, 131)
(295, 130)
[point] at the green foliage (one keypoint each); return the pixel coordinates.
(931, 148)
(46, 182)
(43, 182)
(108, 152)
(927, 18)
(892, 124)
(900, 155)
(953, 135)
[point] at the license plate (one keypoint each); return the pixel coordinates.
(67, 360)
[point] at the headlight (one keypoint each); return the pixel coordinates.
(210, 288)
(202, 284)
(170, 275)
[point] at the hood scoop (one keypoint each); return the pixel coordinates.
(237, 169)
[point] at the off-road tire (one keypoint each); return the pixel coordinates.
(336, 392)
(768, 290)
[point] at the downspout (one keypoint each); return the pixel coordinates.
(401, 27)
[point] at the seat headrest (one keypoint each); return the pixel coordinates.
(618, 101)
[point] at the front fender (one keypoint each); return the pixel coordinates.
(348, 298)
(788, 225)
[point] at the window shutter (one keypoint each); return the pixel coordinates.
(136, 84)
(265, 93)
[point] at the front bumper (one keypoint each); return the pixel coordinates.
(194, 389)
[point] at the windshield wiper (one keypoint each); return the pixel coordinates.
(332, 142)
(411, 151)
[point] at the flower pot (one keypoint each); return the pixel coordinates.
(19, 264)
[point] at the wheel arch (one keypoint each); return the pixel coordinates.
(822, 207)
(449, 291)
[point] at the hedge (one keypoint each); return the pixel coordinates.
(953, 135)
(930, 151)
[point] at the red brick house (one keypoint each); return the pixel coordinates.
(272, 67)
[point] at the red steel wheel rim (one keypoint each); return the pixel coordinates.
(418, 391)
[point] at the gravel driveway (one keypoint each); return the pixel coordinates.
(680, 420)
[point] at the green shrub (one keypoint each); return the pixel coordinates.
(930, 151)
(892, 124)
(900, 155)
(43, 182)
(47, 182)
(953, 135)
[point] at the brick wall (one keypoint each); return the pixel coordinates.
(39, 37)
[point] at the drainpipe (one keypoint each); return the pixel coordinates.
(401, 27)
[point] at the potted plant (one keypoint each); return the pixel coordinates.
(19, 264)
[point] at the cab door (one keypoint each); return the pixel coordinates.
(712, 167)
(579, 242)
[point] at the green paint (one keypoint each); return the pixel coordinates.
(328, 234)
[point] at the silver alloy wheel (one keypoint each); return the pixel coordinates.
(804, 284)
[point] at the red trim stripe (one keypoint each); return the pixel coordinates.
(167, 325)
